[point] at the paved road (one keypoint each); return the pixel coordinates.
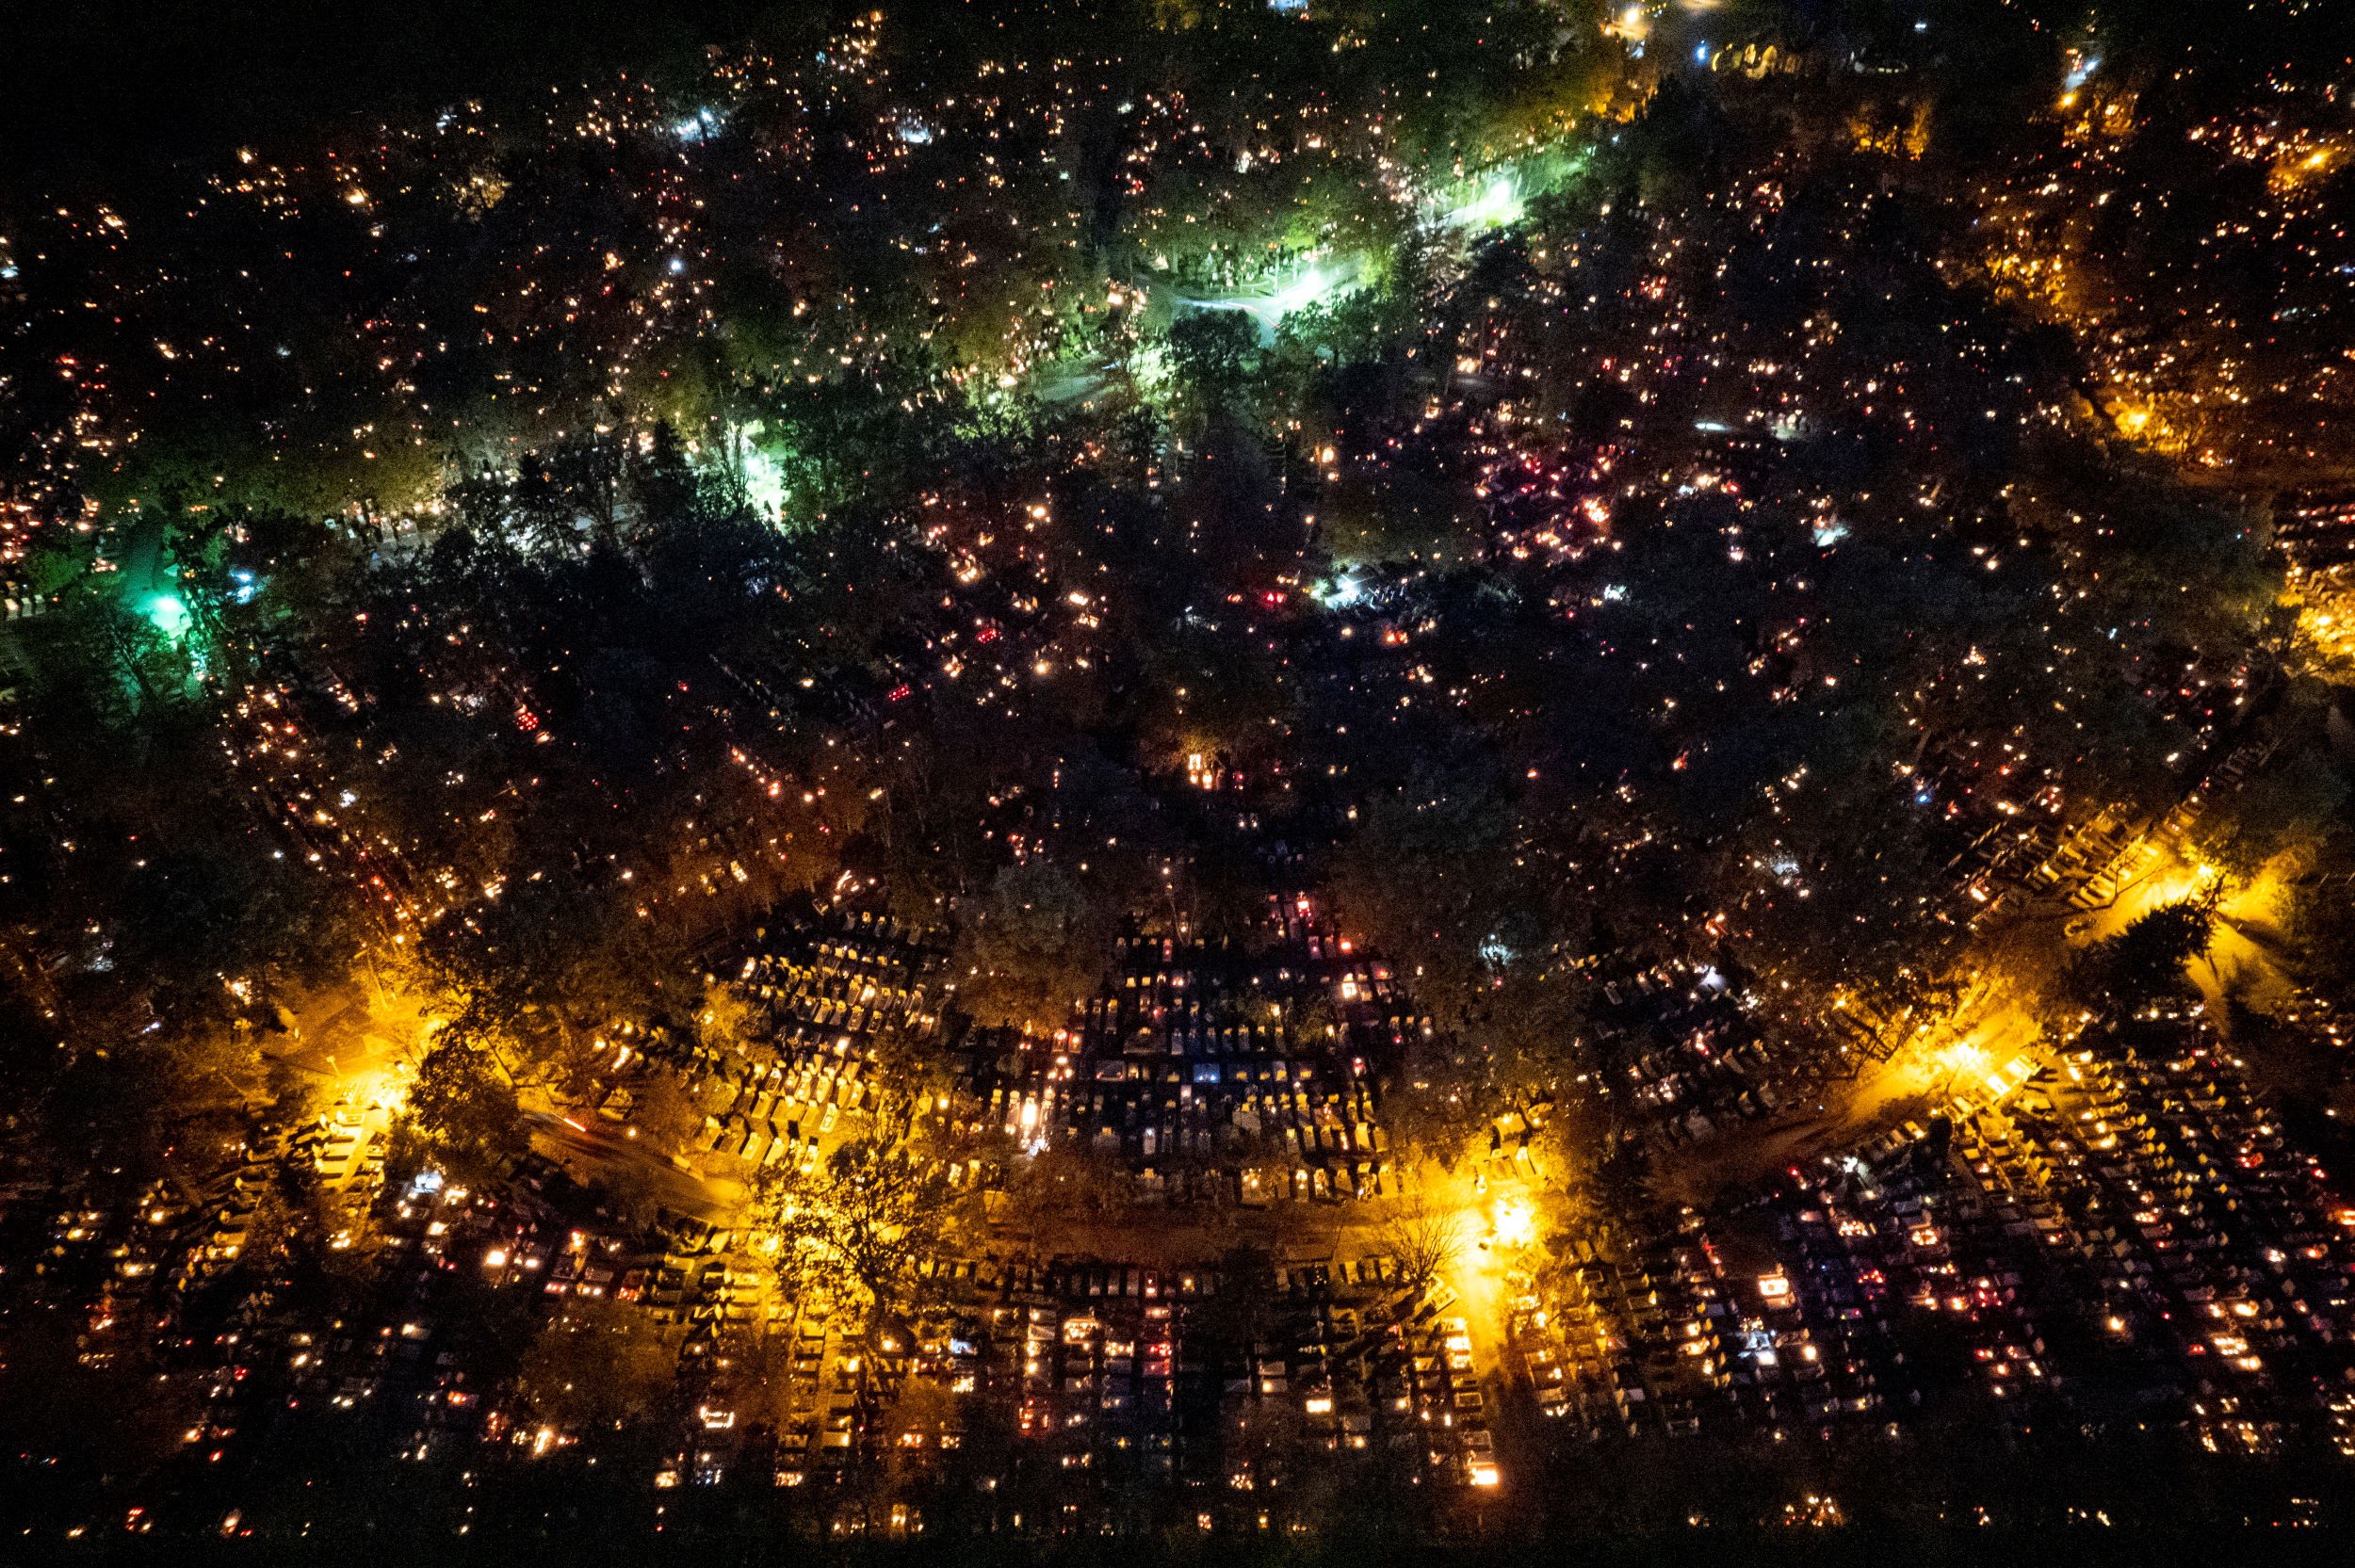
(587, 1147)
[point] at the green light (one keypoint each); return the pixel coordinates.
(1312, 286)
(169, 613)
(1500, 197)
(1293, 289)
(764, 475)
(1497, 205)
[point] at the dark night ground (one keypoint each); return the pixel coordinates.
(102, 85)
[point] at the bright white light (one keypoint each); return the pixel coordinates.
(1345, 591)
(1307, 285)
(764, 475)
(168, 612)
(1497, 205)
